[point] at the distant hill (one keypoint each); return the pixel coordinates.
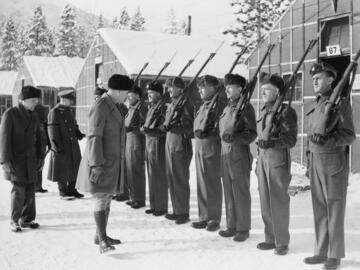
(22, 11)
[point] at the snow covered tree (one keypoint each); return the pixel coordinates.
(67, 36)
(100, 22)
(9, 52)
(84, 42)
(115, 23)
(183, 28)
(254, 18)
(137, 21)
(171, 23)
(124, 19)
(39, 39)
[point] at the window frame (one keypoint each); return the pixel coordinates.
(302, 86)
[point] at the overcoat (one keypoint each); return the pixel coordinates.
(64, 135)
(105, 148)
(20, 144)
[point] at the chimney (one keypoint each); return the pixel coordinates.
(189, 26)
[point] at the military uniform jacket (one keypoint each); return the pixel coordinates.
(135, 117)
(343, 133)
(41, 112)
(154, 119)
(212, 126)
(20, 144)
(105, 147)
(244, 133)
(64, 135)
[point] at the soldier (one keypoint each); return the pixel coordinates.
(103, 160)
(236, 161)
(273, 166)
(21, 156)
(155, 151)
(135, 148)
(178, 152)
(207, 156)
(64, 134)
(329, 170)
(42, 113)
(98, 93)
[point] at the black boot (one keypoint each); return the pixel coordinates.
(111, 241)
(100, 220)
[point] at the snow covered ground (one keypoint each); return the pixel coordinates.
(65, 238)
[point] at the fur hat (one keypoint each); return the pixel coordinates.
(273, 79)
(99, 91)
(177, 82)
(323, 67)
(236, 79)
(209, 81)
(155, 86)
(29, 91)
(136, 89)
(120, 82)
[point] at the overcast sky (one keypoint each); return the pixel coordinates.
(209, 17)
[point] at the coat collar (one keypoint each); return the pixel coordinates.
(25, 115)
(114, 110)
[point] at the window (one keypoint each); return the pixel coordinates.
(336, 32)
(297, 94)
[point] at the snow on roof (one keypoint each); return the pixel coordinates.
(134, 48)
(60, 71)
(7, 82)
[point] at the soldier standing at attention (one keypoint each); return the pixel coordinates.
(274, 166)
(103, 160)
(21, 156)
(328, 171)
(64, 134)
(155, 151)
(135, 148)
(207, 156)
(236, 160)
(178, 152)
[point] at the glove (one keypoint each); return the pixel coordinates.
(96, 174)
(200, 134)
(319, 139)
(265, 144)
(129, 129)
(228, 135)
(163, 128)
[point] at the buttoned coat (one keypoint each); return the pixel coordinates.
(105, 148)
(20, 144)
(64, 135)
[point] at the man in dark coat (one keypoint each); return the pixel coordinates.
(20, 156)
(103, 160)
(135, 148)
(236, 160)
(155, 151)
(64, 134)
(274, 166)
(207, 155)
(42, 114)
(178, 151)
(328, 170)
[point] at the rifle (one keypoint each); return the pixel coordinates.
(245, 97)
(337, 98)
(178, 106)
(138, 106)
(143, 68)
(188, 64)
(164, 67)
(215, 98)
(273, 118)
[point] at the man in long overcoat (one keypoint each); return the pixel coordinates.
(274, 166)
(207, 155)
(21, 155)
(103, 160)
(64, 134)
(135, 148)
(328, 170)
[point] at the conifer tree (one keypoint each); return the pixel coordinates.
(9, 52)
(171, 23)
(124, 19)
(100, 22)
(137, 21)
